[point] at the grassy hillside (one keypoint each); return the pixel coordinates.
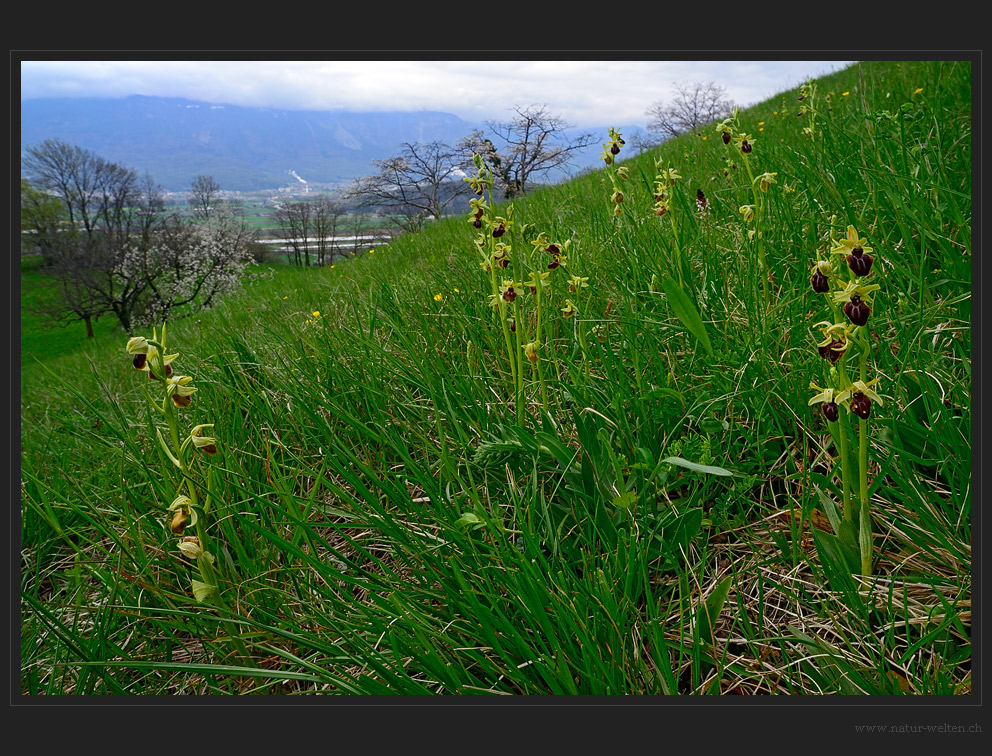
(427, 485)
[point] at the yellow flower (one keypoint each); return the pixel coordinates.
(371, 251)
(184, 515)
(844, 94)
(865, 388)
(761, 123)
(575, 283)
(288, 297)
(207, 443)
(190, 546)
(918, 90)
(508, 291)
(828, 395)
(765, 181)
(137, 345)
(151, 356)
(854, 289)
(316, 313)
(537, 280)
(847, 245)
(438, 297)
(745, 142)
(179, 389)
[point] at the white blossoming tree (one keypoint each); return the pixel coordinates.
(121, 252)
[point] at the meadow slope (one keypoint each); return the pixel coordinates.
(607, 481)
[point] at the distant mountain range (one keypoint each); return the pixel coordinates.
(244, 148)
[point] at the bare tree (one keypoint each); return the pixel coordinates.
(421, 182)
(42, 216)
(296, 222)
(536, 142)
(204, 196)
(642, 142)
(310, 226)
(693, 106)
(119, 202)
(110, 213)
(360, 226)
(95, 191)
(65, 170)
(327, 217)
(75, 263)
(477, 143)
(120, 253)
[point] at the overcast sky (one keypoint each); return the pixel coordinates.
(586, 93)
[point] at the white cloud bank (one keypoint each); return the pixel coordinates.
(586, 93)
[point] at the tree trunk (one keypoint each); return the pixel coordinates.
(123, 314)
(89, 326)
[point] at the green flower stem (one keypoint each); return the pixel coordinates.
(206, 569)
(501, 314)
(494, 286)
(538, 335)
(678, 249)
(581, 332)
(519, 352)
(845, 464)
(552, 337)
(203, 562)
(759, 207)
(865, 529)
(152, 403)
(865, 539)
(845, 454)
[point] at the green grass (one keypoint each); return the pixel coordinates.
(390, 520)
(40, 339)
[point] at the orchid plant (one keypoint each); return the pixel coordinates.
(189, 453)
(522, 293)
(850, 299)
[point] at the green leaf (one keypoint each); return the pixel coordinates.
(710, 609)
(830, 509)
(839, 561)
(683, 529)
(712, 425)
(470, 520)
(864, 539)
(626, 501)
(709, 469)
(848, 536)
(202, 591)
(165, 448)
(686, 312)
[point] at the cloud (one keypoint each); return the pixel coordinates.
(585, 93)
